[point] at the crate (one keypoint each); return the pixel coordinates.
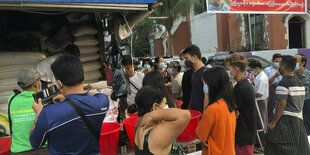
(191, 146)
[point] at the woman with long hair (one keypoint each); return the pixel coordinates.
(155, 79)
(160, 125)
(218, 123)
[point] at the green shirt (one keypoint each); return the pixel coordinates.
(22, 116)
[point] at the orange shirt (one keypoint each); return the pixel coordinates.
(218, 126)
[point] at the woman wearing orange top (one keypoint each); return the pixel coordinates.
(217, 127)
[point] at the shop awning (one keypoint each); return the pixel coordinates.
(76, 5)
(85, 1)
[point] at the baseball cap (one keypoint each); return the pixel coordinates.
(27, 76)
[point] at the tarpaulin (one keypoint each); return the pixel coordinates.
(258, 6)
(85, 1)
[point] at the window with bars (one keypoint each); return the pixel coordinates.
(257, 28)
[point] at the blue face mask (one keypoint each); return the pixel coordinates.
(297, 67)
(276, 65)
(140, 68)
(182, 63)
(254, 73)
(162, 65)
(170, 71)
(206, 89)
(146, 67)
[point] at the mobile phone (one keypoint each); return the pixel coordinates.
(46, 95)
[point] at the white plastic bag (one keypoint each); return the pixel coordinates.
(112, 113)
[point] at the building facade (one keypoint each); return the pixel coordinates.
(238, 32)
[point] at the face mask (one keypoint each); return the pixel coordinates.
(297, 67)
(166, 107)
(188, 64)
(206, 89)
(170, 71)
(254, 73)
(162, 65)
(276, 65)
(280, 71)
(182, 63)
(59, 86)
(146, 67)
(230, 76)
(140, 68)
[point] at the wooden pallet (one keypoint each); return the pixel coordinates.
(191, 146)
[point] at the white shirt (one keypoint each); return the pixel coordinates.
(45, 67)
(136, 80)
(270, 72)
(261, 86)
(176, 87)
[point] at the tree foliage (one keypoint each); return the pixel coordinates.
(172, 9)
(141, 33)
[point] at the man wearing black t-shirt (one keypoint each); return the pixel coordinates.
(245, 100)
(186, 84)
(193, 60)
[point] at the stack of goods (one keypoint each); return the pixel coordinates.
(86, 38)
(56, 42)
(10, 64)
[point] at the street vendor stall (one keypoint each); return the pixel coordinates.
(32, 30)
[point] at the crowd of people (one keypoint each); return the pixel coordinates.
(237, 101)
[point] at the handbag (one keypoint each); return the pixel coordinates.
(108, 74)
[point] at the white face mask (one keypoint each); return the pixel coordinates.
(60, 85)
(230, 76)
(166, 107)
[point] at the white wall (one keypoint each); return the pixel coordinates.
(307, 31)
(207, 55)
(306, 17)
(204, 32)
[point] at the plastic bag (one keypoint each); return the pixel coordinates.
(108, 74)
(112, 113)
(120, 84)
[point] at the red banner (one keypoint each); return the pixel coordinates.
(258, 6)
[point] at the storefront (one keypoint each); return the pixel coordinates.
(32, 30)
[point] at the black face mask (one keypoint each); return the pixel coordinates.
(188, 64)
(280, 71)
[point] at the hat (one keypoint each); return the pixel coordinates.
(27, 76)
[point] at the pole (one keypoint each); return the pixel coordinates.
(254, 33)
(250, 29)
